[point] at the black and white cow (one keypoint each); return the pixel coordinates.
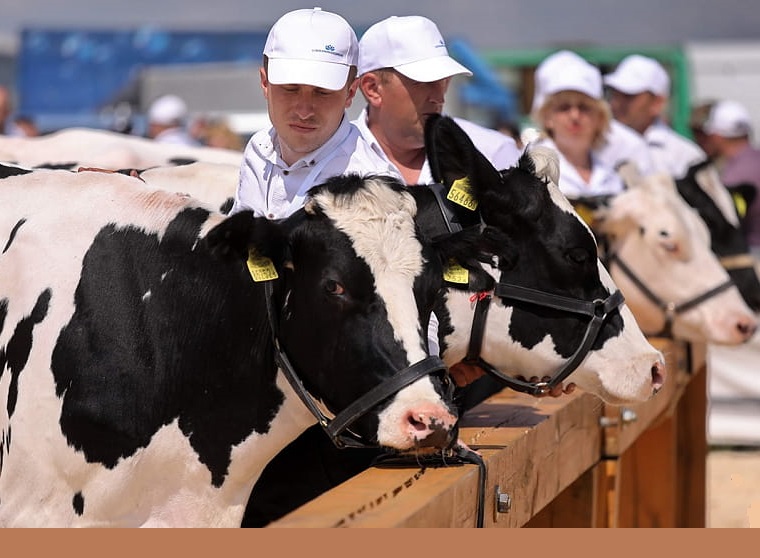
(704, 191)
(538, 242)
(137, 361)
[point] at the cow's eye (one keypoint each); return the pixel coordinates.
(578, 255)
(334, 288)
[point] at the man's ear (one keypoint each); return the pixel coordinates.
(369, 84)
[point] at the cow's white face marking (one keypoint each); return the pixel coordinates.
(380, 224)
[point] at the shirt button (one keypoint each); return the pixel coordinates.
(270, 216)
(286, 173)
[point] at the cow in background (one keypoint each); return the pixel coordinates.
(138, 359)
(105, 149)
(703, 190)
(658, 250)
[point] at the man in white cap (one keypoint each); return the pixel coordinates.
(639, 92)
(308, 79)
(729, 129)
(404, 73)
(166, 121)
(621, 142)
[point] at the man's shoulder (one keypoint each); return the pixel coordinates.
(496, 146)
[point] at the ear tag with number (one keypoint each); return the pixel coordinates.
(261, 268)
(741, 205)
(455, 273)
(461, 194)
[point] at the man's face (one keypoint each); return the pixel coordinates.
(406, 104)
(636, 111)
(304, 116)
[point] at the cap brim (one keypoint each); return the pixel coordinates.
(322, 74)
(432, 69)
(619, 84)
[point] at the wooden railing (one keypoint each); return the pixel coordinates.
(571, 461)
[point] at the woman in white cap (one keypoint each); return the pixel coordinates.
(574, 119)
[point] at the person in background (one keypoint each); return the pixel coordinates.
(5, 109)
(166, 121)
(574, 120)
(728, 129)
(697, 118)
(217, 133)
(25, 126)
(621, 144)
(308, 88)
(639, 90)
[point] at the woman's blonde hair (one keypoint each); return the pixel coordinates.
(600, 105)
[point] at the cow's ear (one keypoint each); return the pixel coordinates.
(234, 237)
(452, 156)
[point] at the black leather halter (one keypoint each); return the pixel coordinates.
(597, 311)
(669, 309)
(337, 428)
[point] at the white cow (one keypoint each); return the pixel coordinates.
(105, 149)
(658, 252)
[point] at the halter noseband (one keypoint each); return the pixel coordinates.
(598, 310)
(337, 428)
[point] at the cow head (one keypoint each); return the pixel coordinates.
(534, 239)
(353, 296)
(703, 190)
(659, 253)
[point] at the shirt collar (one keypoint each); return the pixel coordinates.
(266, 143)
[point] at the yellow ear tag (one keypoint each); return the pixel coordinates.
(741, 205)
(455, 273)
(461, 194)
(585, 213)
(261, 268)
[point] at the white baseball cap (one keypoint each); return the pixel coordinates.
(548, 66)
(311, 47)
(728, 119)
(636, 74)
(574, 76)
(167, 110)
(411, 45)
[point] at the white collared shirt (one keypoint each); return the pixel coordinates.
(604, 180)
(498, 148)
(626, 144)
(271, 188)
(672, 152)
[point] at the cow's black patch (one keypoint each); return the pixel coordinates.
(3, 314)
(10, 170)
(181, 161)
(226, 207)
(58, 166)
(77, 502)
(161, 332)
(20, 345)
(14, 230)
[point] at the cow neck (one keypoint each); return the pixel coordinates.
(669, 309)
(337, 428)
(597, 310)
